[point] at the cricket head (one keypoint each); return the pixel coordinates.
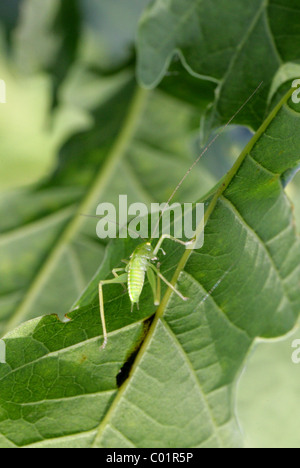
(145, 250)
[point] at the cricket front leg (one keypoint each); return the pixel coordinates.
(167, 236)
(115, 272)
(117, 280)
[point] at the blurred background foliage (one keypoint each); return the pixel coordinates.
(56, 61)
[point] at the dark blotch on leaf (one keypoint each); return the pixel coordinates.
(126, 368)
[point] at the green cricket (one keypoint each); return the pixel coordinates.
(144, 259)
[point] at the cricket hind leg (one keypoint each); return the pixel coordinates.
(133, 304)
(157, 271)
(117, 280)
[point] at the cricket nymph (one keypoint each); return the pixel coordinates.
(140, 263)
(136, 269)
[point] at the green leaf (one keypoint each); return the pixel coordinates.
(58, 389)
(49, 251)
(234, 44)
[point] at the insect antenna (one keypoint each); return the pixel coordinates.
(202, 154)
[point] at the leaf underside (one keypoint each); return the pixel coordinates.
(235, 44)
(58, 389)
(165, 380)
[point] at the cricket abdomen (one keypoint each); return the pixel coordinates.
(136, 279)
(136, 269)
